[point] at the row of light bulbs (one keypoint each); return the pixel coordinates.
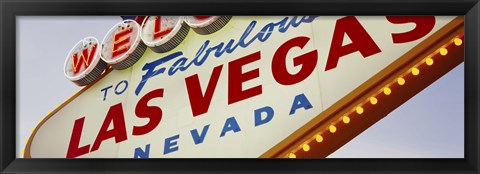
(373, 100)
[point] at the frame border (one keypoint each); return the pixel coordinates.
(9, 9)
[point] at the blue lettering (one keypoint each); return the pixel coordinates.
(283, 27)
(258, 115)
(247, 31)
(196, 60)
(228, 47)
(308, 19)
(139, 153)
(230, 125)
(116, 87)
(292, 22)
(199, 53)
(300, 101)
(106, 89)
(171, 144)
(219, 49)
(265, 32)
(197, 139)
(151, 72)
(177, 65)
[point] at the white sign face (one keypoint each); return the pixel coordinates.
(83, 63)
(234, 93)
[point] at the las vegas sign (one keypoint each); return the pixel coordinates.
(223, 86)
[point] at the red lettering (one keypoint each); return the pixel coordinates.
(236, 78)
(140, 19)
(200, 102)
(279, 67)
(119, 42)
(157, 29)
(361, 41)
(86, 59)
(201, 17)
(423, 26)
(154, 113)
(73, 149)
(115, 115)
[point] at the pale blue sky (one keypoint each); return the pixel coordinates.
(430, 125)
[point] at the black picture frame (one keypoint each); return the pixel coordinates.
(10, 9)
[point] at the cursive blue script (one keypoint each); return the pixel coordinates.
(218, 50)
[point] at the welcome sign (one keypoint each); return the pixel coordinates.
(223, 86)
